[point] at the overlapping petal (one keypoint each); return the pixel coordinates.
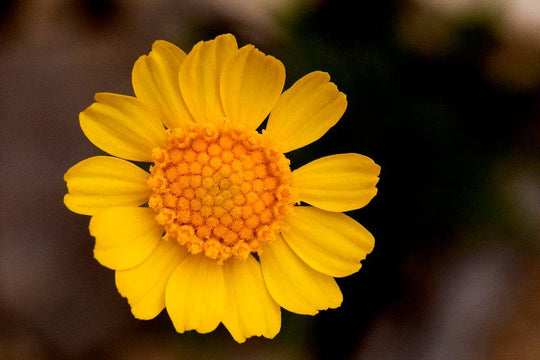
(122, 126)
(293, 284)
(101, 182)
(200, 76)
(340, 182)
(305, 112)
(329, 242)
(125, 236)
(155, 83)
(251, 83)
(195, 295)
(251, 311)
(144, 285)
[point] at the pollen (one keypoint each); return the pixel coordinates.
(220, 190)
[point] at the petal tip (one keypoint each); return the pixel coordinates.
(160, 43)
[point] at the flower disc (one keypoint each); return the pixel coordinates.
(220, 190)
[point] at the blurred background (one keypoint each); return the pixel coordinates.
(443, 94)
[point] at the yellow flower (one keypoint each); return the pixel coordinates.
(212, 232)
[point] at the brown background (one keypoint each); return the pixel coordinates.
(444, 95)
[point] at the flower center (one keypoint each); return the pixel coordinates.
(219, 190)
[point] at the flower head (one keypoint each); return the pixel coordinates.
(215, 231)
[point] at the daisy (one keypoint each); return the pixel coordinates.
(220, 229)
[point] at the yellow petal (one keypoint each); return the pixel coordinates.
(125, 236)
(122, 126)
(251, 311)
(195, 296)
(251, 83)
(101, 182)
(340, 182)
(293, 284)
(305, 112)
(199, 77)
(332, 243)
(144, 285)
(155, 83)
